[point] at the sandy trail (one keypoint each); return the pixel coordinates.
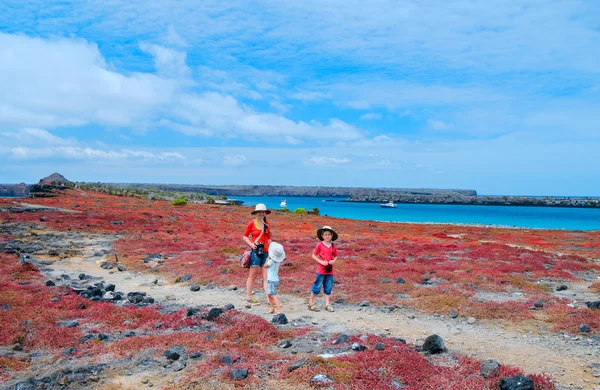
(565, 358)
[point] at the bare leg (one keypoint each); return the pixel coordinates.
(254, 271)
(311, 301)
(326, 300)
(265, 282)
(277, 304)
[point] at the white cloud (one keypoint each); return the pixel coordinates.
(66, 82)
(439, 125)
(235, 160)
(87, 153)
(31, 136)
(370, 116)
(169, 63)
(323, 160)
(172, 38)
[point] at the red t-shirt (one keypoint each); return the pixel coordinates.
(327, 254)
(252, 232)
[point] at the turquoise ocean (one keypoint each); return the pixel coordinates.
(508, 216)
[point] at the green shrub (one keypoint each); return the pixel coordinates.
(300, 210)
(316, 211)
(179, 202)
(210, 200)
(285, 210)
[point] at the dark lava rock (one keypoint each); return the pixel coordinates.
(280, 319)
(102, 337)
(110, 287)
(593, 305)
(385, 280)
(343, 338)
(358, 347)
(380, 346)
(434, 344)
(196, 355)
(50, 283)
(67, 323)
(297, 364)
(453, 314)
(517, 382)
(584, 328)
(562, 287)
(69, 351)
(238, 373)
(186, 277)
(285, 344)
(194, 287)
(213, 314)
(489, 368)
(121, 267)
(171, 355)
(539, 304)
(82, 276)
(227, 360)
(364, 303)
(228, 306)
(192, 311)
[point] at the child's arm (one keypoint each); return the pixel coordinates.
(318, 259)
(268, 263)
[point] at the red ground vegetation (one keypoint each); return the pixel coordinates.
(459, 261)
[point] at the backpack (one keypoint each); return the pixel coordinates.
(245, 259)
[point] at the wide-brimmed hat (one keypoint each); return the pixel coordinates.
(334, 235)
(260, 207)
(276, 252)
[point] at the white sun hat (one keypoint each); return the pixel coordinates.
(276, 252)
(261, 207)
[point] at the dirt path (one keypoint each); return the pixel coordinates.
(565, 358)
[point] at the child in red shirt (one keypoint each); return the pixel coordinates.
(325, 254)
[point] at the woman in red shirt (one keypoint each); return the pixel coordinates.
(258, 237)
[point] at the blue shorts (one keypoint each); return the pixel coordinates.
(272, 287)
(256, 260)
(322, 280)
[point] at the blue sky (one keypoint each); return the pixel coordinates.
(498, 96)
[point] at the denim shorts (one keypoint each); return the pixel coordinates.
(256, 260)
(322, 280)
(272, 287)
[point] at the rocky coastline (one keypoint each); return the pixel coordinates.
(482, 200)
(348, 194)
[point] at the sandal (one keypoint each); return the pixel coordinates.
(270, 311)
(251, 300)
(329, 308)
(313, 307)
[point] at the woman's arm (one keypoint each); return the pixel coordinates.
(248, 242)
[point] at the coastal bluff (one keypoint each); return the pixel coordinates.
(314, 191)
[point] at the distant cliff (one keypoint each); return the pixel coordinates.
(283, 191)
(17, 190)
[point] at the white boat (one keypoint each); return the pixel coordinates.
(283, 203)
(388, 205)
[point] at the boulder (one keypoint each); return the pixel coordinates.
(517, 382)
(434, 344)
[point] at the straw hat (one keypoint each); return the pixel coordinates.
(276, 252)
(260, 207)
(334, 235)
